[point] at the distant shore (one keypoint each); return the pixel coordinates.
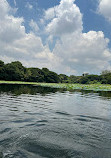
(67, 86)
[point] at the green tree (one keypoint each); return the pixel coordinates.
(1, 63)
(106, 78)
(35, 75)
(49, 76)
(73, 79)
(64, 78)
(14, 71)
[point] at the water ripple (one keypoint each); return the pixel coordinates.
(41, 124)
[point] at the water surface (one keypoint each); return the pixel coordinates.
(38, 122)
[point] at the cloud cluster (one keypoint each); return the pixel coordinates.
(65, 18)
(79, 52)
(16, 44)
(85, 52)
(105, 8)
(73, 52)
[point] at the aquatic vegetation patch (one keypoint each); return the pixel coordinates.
(67, 86)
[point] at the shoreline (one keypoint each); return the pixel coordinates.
(67, 86)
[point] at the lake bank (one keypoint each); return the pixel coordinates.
(94, 87)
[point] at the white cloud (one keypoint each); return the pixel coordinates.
(4, 8)
(11, 28)
(16, 44)
(34, 25)
(85, 52)
(29, 6)
(105, 8)
(50, 13)
(79, 52)
(65, 18)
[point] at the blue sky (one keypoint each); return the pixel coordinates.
(65, 36)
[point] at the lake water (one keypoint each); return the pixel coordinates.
(37, 122)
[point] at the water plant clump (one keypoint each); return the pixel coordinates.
(67, 86)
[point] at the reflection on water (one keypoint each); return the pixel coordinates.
(26, 89)
(38, 122)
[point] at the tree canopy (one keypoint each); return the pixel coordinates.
(15, 71)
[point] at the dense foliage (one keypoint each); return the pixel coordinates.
(15, 71)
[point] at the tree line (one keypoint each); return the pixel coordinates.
(15, 71)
